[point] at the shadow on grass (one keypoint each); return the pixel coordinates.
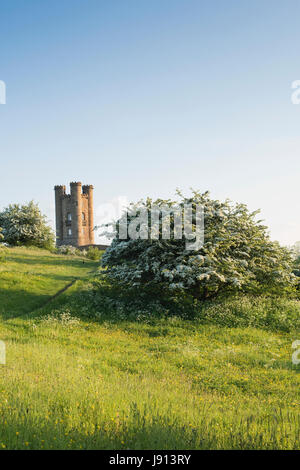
(22, 303)
(150, 436)
(141, 430)
(22, 292)
(50, 260)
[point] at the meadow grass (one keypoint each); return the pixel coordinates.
(109, 382)
(30, 276)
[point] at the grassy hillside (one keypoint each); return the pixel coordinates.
(30, 276)
(164, 383)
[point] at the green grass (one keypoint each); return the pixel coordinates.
(71, 382)
(30, 276)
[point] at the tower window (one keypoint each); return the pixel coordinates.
(69, 232)
(83, 216)
(69, 216)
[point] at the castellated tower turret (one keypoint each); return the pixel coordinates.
(74, 215)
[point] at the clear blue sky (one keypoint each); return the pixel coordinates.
(139, 97)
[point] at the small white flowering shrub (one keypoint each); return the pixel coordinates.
(91, 253)
(67, 250)
(237, 255)
(63, 317)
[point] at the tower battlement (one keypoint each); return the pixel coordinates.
(74, 215)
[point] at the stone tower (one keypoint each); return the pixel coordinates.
(74, 215)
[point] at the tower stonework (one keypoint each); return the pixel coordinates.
(74, 215)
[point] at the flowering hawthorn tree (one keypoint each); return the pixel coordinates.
(24, 224)
(237, 254)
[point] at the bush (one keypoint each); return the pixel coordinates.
(25, 225)
(110, 303)
(260, 312)
(237, 255)
(93, 253)
(297, 271)
(67, 250)
(2, 250)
